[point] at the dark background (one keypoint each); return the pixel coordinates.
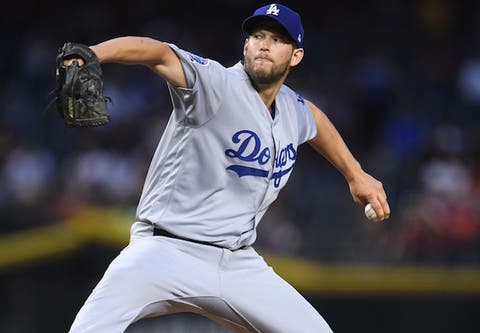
(399, 79)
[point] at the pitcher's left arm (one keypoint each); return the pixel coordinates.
(363, 187)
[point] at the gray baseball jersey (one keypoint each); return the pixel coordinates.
(223, 158)
(221, 162)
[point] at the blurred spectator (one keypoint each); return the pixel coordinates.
(442, 223)
(103, 177)
(28, 172)
(469, 81)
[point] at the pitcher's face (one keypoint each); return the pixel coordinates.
(269, 52)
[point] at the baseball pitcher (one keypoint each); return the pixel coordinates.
(229, 147)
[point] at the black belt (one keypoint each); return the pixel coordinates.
(164, 233)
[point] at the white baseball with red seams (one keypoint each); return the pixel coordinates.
(370, 213)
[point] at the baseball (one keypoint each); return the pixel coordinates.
(370, 213)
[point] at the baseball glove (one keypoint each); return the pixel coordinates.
(79, 92)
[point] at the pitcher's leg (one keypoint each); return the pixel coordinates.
(265, 299)
(150, 270)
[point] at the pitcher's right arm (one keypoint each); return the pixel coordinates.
(149, 52)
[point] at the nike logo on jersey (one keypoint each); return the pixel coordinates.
(249, 149)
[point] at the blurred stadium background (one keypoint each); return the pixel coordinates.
(399, 79)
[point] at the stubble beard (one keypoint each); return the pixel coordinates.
(265, 76)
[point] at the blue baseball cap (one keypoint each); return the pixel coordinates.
(286, 17)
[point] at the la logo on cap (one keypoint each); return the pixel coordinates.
(273, 10)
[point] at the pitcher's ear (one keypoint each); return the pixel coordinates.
(297, 57)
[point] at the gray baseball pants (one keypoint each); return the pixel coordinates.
(157, 275)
